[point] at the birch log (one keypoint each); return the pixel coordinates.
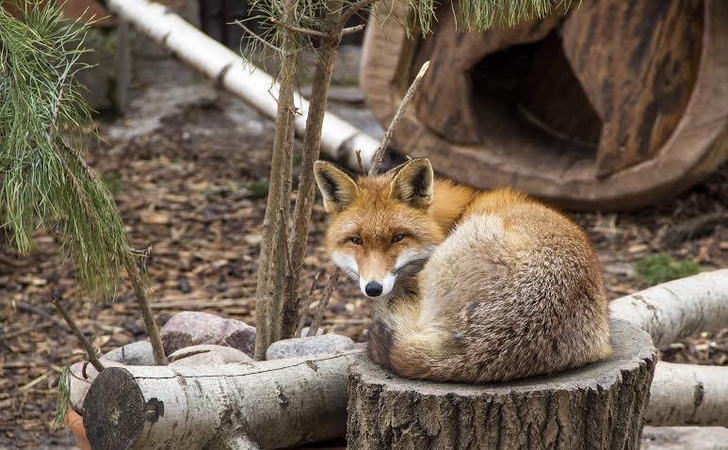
(263, 405)
(682, 394)
(677, 309)
(339, 139)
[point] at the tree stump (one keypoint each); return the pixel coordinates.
(611, 106)
(599, 406)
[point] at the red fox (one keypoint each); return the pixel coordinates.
(470, 286)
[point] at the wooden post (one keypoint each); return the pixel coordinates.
(599, 406)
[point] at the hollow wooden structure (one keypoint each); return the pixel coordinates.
(613, 105)
(599, 406)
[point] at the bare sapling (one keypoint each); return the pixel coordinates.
(283, 247)
(373, 170)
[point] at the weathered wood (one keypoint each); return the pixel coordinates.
(637, 63)
(445, 102)
(250, 405)
(521, 140)
(599, 406)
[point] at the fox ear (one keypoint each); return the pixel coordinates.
(412, 183)
(337, 188)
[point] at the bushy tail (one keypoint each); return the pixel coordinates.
(498, 303)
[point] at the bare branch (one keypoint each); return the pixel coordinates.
(351, 30)
(90, 350)
(379, 154)
(306, 31)
(307, 304)
(333, 282)
(352, 11)
(255, 36)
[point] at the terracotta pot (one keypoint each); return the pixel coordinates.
(74, 422)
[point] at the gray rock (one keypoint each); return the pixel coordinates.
(134, 354)
(317, 345)
(194, 328)
(198, 355)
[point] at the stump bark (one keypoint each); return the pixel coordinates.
(599, 406)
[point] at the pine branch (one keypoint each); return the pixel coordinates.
(43, 116)
(90, 350)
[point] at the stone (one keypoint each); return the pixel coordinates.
(207, 354)
(194, 328)
(317, 345)
(135, 354)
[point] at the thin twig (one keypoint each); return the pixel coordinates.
(306, 31)
(352, 10)
(92, 356)
(379, 154)
(306, 304)
(255, 36)
(360, 162)
(351, 30)
(333, 281)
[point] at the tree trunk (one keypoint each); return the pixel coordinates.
(264, 405)
(600, 406)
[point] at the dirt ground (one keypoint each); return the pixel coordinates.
(188, 167)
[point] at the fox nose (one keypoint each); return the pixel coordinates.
(373, 289)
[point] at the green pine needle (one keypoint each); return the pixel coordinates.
(62, 399)
(44, 182)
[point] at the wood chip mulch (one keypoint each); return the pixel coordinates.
(191, 195)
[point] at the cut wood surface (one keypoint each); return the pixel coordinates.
(266, 405)
(599, 406)
(658, 95)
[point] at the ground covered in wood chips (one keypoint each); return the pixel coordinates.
(188, 167)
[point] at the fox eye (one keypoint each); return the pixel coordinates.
(397, 237)
(356, 240)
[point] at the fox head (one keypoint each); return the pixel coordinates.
(380, 230)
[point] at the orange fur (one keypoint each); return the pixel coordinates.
(477, 286)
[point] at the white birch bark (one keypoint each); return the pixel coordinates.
(688, 394)
(677, 309)
(682, 394)
(265, 405)
(339, 139)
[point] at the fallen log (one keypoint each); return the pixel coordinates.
(598, 406)
(264, 405)
(674, 310)
(688, 394)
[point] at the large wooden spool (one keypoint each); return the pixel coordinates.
(613, 105)
(600, 406)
